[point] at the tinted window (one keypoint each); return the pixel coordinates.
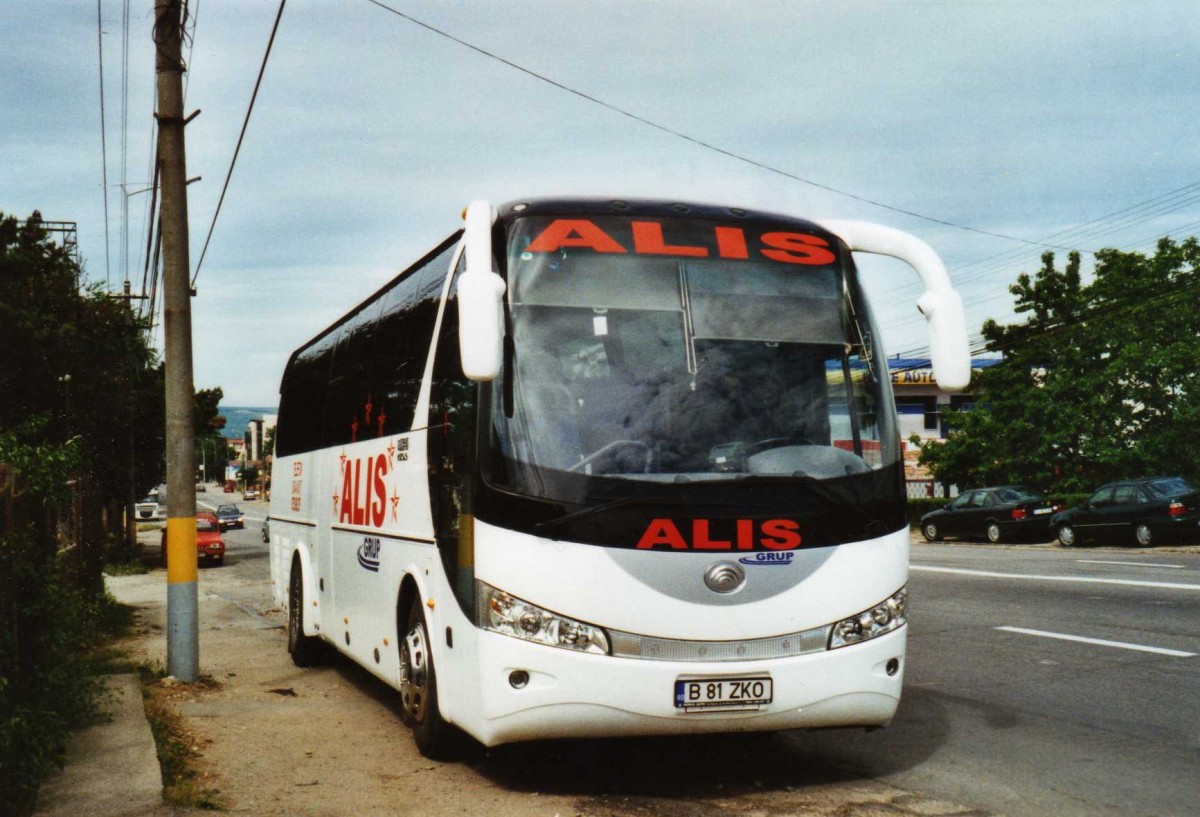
(452, 432)
(1017, 493)
(361, 378)
(302, 398)
(1125, 495)
(1169, 486)
(403, 340)
(349, 412)
(1102, 497)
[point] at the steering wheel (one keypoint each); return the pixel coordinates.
(768, 443)
(616, 445)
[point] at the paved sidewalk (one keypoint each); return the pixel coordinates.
(111, 768)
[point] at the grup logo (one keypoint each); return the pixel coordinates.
(770, 559)
(368, 553)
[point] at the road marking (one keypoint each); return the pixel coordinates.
(1131, 564)
(1078, 579)
(1100, 642)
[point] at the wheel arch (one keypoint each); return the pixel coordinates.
(302, 559)
(409, 592)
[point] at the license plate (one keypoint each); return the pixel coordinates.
(706, 694)
(1042, 510)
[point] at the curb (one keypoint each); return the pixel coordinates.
(111, 769)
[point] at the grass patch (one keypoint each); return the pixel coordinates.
(125, 569)
(185, 783)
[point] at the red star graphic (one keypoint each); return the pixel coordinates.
(354, 431)
(335, 503)
(368, 408)
(343, 458)
(381, 419)
(395, 505)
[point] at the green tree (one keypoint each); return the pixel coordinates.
(80, 358)
(1099, 382)
(248, 475)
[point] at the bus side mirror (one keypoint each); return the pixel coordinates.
(940, 304)
(480, 298)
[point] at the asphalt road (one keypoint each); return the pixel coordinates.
(1046, 681)
(1040, 681)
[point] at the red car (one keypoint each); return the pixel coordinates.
(209, 542)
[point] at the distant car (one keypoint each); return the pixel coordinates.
(230, 486)
(230, 517)
(200, 488)
(998, 514)
(149, 508)
(209, 542)
(1138, 511)
(250, 494)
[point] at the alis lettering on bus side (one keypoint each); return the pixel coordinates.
(647, 238)
(747, 534)
(364, 495)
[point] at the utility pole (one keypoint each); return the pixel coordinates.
(183, 630)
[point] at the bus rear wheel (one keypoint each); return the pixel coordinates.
(305, 649)
(436, 738)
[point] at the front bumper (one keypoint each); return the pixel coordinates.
(572, 694)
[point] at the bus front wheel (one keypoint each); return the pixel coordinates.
(435, 737)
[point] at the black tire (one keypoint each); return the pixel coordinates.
(305, 649)
(993, 532)
(1143, 536)
(930, 531)
(436, 738)
(1067, 537)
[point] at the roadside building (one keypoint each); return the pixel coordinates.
(921, 408)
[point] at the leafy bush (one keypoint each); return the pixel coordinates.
(46, 687)
(919, 507)
(49, 618)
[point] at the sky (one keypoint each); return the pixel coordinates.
(1052, 122)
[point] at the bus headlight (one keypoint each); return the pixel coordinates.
(503, 613)
(890, 614)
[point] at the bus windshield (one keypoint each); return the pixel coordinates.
(672, 376)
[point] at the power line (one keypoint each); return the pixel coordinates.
(1185, 283)
(103, 143)
(245, 123)
(1157, 206)
(1143, 241)
(699, 142)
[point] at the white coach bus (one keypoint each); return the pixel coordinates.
(599, 468)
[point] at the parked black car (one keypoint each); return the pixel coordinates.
(998, 514)
(230, 517)
(1138, 511)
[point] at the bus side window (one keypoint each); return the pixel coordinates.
(452, 430)
(350, 404)
(302, 398)
(408, 315)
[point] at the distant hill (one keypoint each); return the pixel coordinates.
(238, 417)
